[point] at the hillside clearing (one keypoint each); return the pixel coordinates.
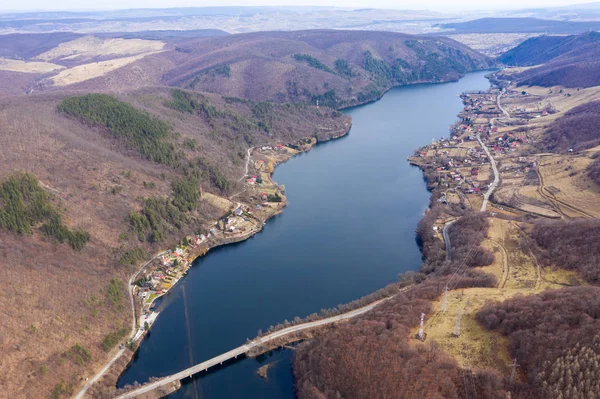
(7, 64)
(93, 70)
(89, 47)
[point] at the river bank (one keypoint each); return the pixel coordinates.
(241, 221)
(328, 221)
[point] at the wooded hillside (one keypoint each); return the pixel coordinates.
(554, 336)
(98, 166)
(576, 129)
(335, 68)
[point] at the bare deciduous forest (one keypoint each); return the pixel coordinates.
(573, 245)
(373, 357)
(554, 336)
(577, 129)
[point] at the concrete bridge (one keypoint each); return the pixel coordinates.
(234, 353)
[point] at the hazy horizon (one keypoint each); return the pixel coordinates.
(17, 6)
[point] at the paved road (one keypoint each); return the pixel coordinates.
(494, 184)
(234, 353)
(99, 375)
(447, 239)
(500, 105)
(496, 181)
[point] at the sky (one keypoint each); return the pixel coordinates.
(433, 5)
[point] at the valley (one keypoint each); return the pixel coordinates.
(285, 195)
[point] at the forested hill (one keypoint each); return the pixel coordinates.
(572, 61)
(92, 184)
(335, 68)
(538, 50)
(521, 25)
(332, 67)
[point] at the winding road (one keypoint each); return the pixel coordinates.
(447, 239)
(496, 181)
(234, 353)
(99, 375)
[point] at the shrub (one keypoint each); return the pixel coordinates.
(133, 256)
(79, 355)
(114, 293)
(112, 339)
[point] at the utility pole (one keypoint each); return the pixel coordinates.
(514, 366)
(445, 301)
(421, 335)
(456, 332)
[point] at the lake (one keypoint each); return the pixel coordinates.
(348, 230)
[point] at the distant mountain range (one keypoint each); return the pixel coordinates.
(521, 25)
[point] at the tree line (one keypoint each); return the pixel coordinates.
(570, 244)
(555, 338)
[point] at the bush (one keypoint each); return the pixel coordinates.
(24, 203)
(112, 339)
(593, 170)
(342, 67)
(157, 216)
(274, 197)
(79, 355)
(133, 256)
(114, 293)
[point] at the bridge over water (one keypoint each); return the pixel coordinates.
(234, 353)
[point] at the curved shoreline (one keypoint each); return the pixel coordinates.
(251, 234)
(135, 336)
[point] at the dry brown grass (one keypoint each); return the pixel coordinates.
(7, 64)
(84, 72)
(49, 286)
(566, 181)
(517, 273)
(89, 47)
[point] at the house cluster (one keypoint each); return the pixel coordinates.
(240, 220)
(166, 270)
(506, 143)
(479, 103)
(252, 180)
(272, 148)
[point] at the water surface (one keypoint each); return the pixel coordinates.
(348, 230)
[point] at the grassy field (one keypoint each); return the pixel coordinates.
(7, 64)
(90, 47)
(84, 72)
(517, 273)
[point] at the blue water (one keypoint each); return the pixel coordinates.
(348, 230)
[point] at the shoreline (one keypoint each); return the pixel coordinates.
(119, 367)
(117, 364)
